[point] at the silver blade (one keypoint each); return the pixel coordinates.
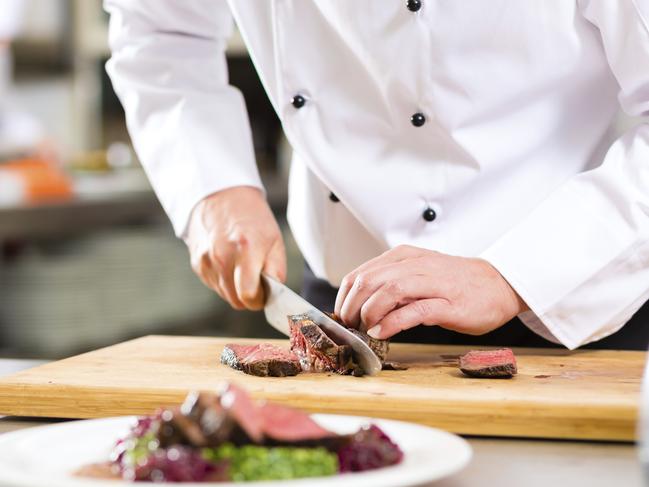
(282, 302)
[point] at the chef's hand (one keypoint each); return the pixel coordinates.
(233, 237)
(408, 286)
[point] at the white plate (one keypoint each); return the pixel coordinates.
(45, 456)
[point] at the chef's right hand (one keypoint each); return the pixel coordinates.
(233, 237)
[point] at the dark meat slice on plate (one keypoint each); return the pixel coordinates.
(263, 360)
(244, 411)
(316, 351)
(489, 363)
(207, 419)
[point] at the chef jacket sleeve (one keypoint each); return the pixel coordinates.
(581, 259)
(189, 127)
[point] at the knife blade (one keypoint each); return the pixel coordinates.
(282, 302)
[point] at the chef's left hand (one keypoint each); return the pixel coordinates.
(408, 286)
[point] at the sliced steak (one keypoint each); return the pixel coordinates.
(287, 426)
(206, 419)
(394, 366)
(244, 411)
(317, 351)
(489, 363)
(379, 347)
(209, 420)
(263, 360)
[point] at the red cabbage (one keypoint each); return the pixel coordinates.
(368, 449)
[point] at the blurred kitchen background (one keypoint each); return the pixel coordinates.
(87, 257)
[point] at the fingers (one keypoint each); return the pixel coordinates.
(222, 268)
(367, 283)
(249, 261)
(396, 254)
(275, 265)
(204, 270)
(424, 311)
(227, 291)
(232, 236)
(396, 284)
(392, 295)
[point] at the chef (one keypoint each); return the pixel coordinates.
(453, 166)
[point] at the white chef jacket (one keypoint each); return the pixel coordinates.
(512, 151)
(11, 18)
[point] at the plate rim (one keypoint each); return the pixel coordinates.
(19, 479)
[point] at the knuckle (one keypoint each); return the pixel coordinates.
(238, 237)
(348, 281)
(365, 280)
(360, 282)
(394, 288)
(404, 249)
(421, 308)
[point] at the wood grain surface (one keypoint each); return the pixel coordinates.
(589, 394)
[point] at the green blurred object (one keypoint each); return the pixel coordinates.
(137, 450)
(251, 462)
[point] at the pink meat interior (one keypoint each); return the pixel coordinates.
(288, 424)
(489, 358)
(244, 411)
(261, 351)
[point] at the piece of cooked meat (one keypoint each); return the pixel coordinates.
(262, 360)
(287, 426)
(379, 347)
(489, 363)
(209, 420)
(394, 366)
(317, 351)
(204, 420)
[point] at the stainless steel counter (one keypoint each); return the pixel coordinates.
(77, 216)
(502, 462)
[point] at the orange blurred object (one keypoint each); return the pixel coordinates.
(41, 180)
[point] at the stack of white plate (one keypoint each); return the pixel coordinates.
(60, 297)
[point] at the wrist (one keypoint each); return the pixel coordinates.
(513, 303)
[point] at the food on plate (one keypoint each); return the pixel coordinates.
(263, 359)
(231, 437)
(312, 350)
(489, 363)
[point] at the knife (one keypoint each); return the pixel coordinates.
(282, 302)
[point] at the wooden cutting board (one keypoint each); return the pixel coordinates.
(557, 394)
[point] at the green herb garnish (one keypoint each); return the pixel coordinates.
(251, 462)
